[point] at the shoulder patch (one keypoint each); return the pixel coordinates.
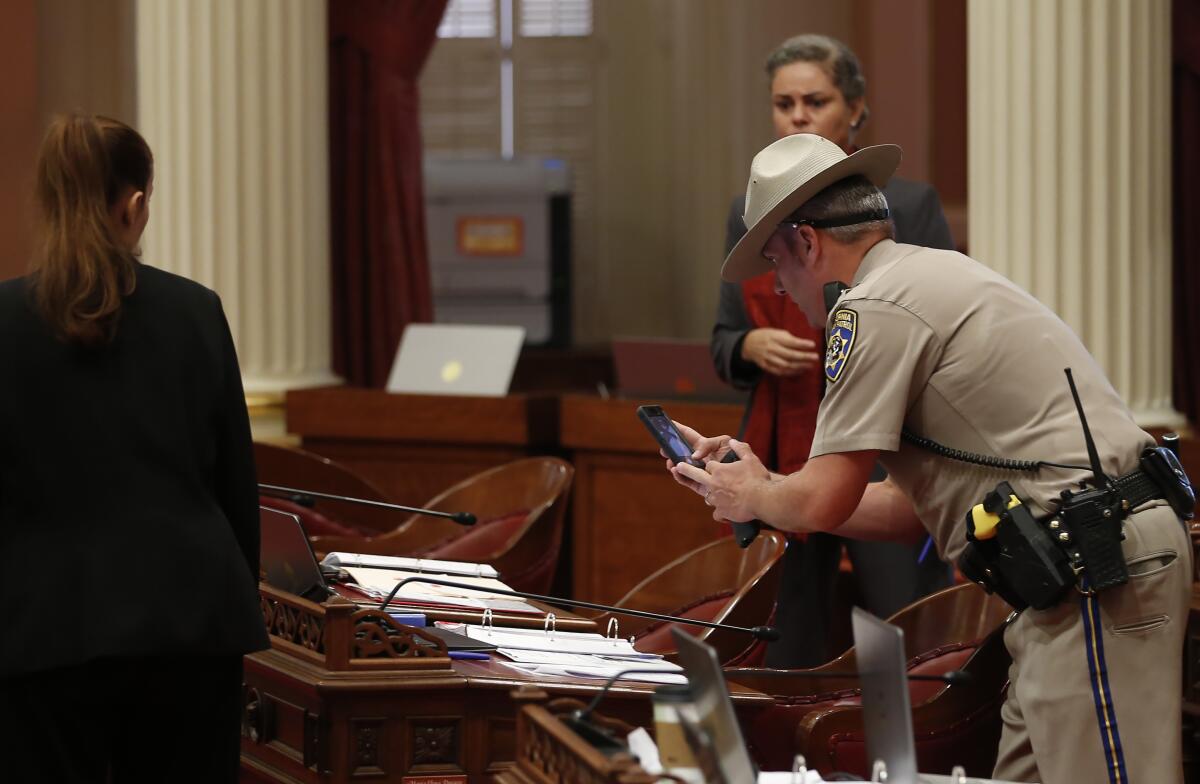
(840, 342)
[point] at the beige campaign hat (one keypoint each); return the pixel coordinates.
(788, 173)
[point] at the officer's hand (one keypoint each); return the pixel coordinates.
(779, 352)
(727, 487)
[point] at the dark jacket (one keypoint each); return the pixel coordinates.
(128, 505)
(917, 213)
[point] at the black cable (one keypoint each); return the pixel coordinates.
(988, 461)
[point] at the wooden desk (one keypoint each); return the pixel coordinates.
(415, 446)
(629, 518)
(332, 703)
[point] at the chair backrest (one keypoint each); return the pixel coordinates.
(941, 632)
(519, 507)
(718, 582)
(939, 623)
(294, 467)
(960, 725)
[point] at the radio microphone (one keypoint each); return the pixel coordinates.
(768, 633)
(307, 498)
(743, 533)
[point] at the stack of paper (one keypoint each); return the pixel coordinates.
(574, 654)
(418, 565)
(378, 583)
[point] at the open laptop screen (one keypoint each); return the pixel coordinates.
(666, 369)
(286, 556)
(456, 359)
(714, 708)
(887, 714)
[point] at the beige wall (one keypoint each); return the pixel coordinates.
(86, 58)
(56, 55)
(18, 131)
(682, 106)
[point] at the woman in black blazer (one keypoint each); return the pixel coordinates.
(128, 505)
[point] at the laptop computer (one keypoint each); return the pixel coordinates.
(287, 558)
(289, 563)
(666, 369)
(456, 359)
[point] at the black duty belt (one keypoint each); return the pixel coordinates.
(1137, 488)
(1032, 563)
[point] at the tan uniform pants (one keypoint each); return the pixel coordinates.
(1096, 682)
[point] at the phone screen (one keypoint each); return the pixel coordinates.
(667, 435)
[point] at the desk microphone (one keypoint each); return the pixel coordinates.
(768, 633)
(950, 677)
(307, 498)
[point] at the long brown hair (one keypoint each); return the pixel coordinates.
(79, 271)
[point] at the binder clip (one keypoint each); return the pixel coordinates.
(548, 626)
(487, 622)
(612, 632)
(799, 769)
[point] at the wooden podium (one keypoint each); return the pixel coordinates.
(337, 700)
(629, 517)
(415, 446)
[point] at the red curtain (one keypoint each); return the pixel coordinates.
(1185, 84)
(380, 264)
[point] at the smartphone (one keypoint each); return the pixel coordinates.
(667, 435)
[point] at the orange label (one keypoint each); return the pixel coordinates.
(491, 235)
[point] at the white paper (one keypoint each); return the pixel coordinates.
(642, 746)
(380, 582)
(526, 656)
(418, 565)
(562, 642)
(787, 777)
(599, 673)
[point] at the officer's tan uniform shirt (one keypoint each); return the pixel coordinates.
(951, 351)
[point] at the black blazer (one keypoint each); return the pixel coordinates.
(917, 213)
(128, 504)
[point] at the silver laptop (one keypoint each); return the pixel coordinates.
(887, 712)
(714, 709)
(456, 359)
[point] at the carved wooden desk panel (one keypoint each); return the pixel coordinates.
(628, 517)
(336, 702)
(415, 446)
(312, 725)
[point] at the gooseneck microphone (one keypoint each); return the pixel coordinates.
(950, 677)
(306, 498)
(768, 633)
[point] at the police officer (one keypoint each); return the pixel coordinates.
(927, 348)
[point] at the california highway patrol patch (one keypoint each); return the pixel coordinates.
(840, 342)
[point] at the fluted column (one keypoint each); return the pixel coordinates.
(1069, 179)
(232, 99)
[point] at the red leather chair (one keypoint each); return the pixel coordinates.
(716, 582)
(941, 632)
(293, 467)
(519, 507)
(959, 725)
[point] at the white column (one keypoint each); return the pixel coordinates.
(1069, 178)
(232, 100)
